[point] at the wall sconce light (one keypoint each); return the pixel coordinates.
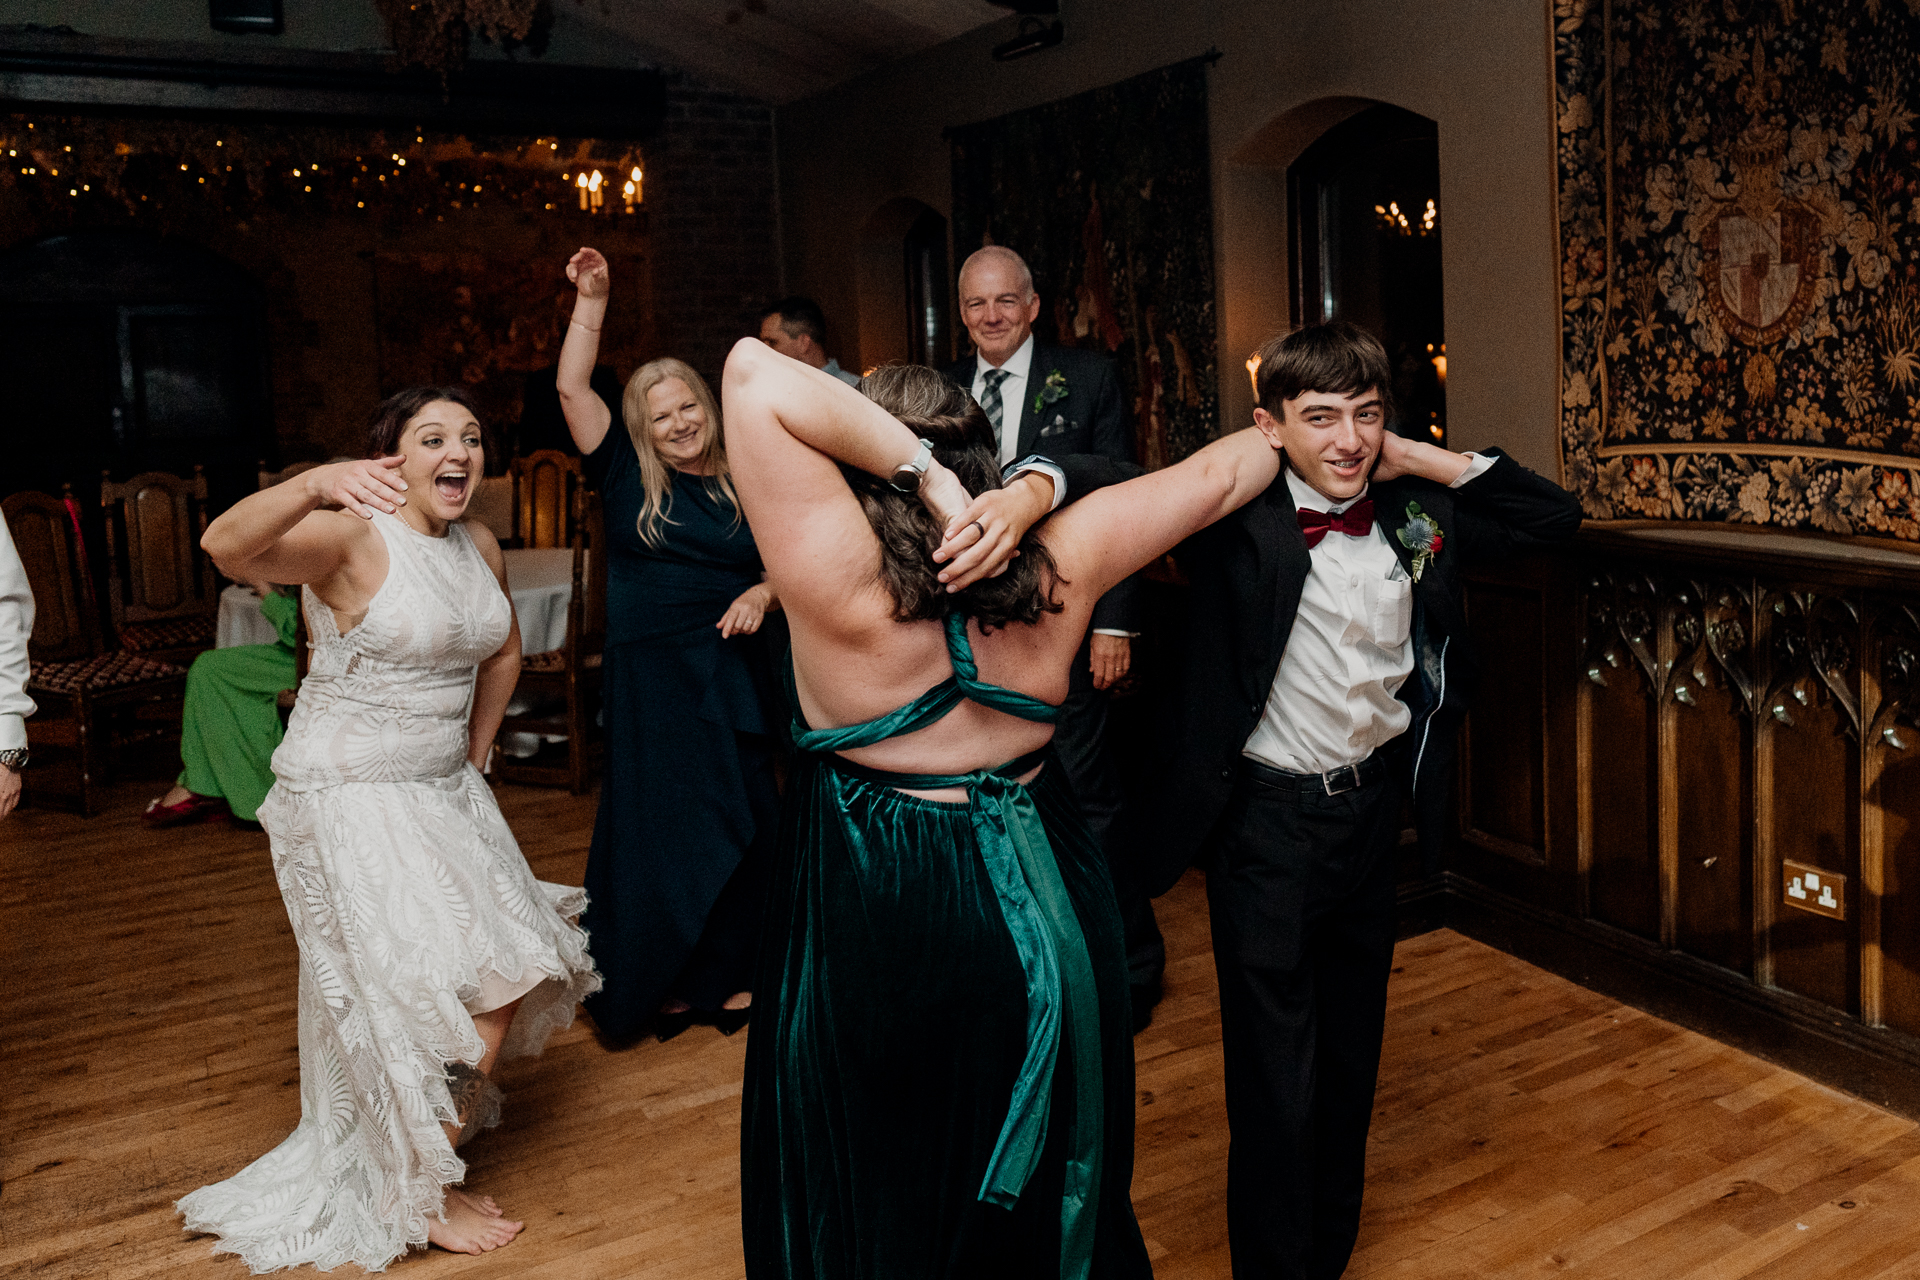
(1253, 374)
(591, 188)
(633, 193)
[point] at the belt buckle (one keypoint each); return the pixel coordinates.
(1327, 779)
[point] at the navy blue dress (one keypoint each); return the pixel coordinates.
(688, 805)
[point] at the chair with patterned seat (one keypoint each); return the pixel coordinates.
(567, 679)
(160, 584)
(82, 687)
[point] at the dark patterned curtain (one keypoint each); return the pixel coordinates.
(1108, 197)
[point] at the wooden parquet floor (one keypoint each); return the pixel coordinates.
(1525, 1127)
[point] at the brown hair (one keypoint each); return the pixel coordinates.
(389, 420)
(656, 476)
(962, 440)
(1338, 358)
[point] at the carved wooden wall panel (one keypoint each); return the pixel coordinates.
(1504, 804)
(1728, 715)
(1618, 735)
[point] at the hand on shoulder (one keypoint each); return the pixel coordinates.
(1400, 456)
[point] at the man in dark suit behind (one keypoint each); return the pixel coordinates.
(1321, 675)
(1058, 401)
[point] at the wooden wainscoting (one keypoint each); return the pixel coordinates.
(1667, 730)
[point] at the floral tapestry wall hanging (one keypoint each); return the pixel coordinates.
(1739, 188)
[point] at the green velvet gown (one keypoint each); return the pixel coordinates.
(940, 1075)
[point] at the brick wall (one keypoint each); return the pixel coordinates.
(710, 201)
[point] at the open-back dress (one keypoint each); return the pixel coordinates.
(413, 909)
(940, 1078)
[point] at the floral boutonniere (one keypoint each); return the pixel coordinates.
(1052, 390)
(1420, 535)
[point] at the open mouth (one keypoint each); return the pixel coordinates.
(451, 486)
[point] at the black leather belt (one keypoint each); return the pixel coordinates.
(1346, 778)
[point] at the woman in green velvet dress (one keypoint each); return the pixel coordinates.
(940, 1079)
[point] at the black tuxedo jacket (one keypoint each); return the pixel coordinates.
(1090, 419)
(1246, 574)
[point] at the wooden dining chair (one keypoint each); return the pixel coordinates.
(161, 592)
(544, 485)
(567, 679)
(86, 693)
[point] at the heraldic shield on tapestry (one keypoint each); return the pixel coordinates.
(1740, 274)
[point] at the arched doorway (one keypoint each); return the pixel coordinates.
(1304, 243)
(904, 282)
(127, 352)
(1364, 216)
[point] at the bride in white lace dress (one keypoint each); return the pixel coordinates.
(427, 948)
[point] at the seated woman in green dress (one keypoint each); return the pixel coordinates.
(940, 1079)
(230, 725)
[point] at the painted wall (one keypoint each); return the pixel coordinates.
(1291, 68)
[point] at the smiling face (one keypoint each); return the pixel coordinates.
(444, 462)
(1330, 440)
(677, 424)
(998, 306)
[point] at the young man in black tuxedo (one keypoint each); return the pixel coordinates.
(1322, 673)
(1059, 401)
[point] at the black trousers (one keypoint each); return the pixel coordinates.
(1300, 888)
(1080, 743)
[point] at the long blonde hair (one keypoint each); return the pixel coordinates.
(656, 475)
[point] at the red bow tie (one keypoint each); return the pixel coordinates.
(1356, 522)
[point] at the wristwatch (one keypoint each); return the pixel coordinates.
(907, 476)
(15, 758)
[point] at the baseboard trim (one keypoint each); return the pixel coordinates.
(1876, 1064)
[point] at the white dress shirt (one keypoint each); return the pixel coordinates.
(1012, 390)
(1333, 700)
(16, 625)
(847, 376)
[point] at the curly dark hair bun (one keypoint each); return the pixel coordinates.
(962, 440)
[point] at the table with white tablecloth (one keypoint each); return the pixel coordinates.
(539, 580)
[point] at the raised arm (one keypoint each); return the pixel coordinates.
(282, 535)
(1110, 534)
(787, 425)
(586, 413)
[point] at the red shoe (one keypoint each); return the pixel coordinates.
(192, 809)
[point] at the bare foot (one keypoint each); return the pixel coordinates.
(177, 795)
(738, 1000)
(473, 1225)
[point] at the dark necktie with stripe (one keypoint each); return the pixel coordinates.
(991, 403)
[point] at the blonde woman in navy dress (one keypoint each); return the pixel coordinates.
(688, 808)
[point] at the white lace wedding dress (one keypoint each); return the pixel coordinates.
(413, 909)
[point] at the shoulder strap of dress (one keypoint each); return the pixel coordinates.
(967, 673)
(925, 709)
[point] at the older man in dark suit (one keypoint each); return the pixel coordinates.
(1058, 401)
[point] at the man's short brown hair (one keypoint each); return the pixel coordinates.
(1338, 358)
